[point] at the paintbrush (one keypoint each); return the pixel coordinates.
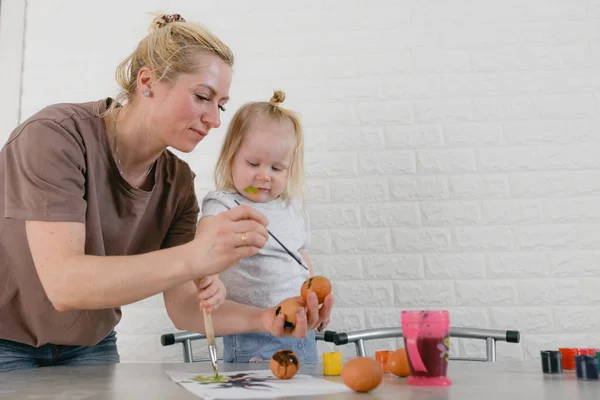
(281, 244)
(210, 337)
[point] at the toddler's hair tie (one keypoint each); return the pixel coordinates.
(167, 19)
(277, 98)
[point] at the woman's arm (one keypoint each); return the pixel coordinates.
(74, 280)
(183, 308)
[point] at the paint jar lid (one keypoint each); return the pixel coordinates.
(588, 351)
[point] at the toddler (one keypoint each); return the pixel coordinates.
(261, 163)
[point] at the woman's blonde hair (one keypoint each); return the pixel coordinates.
(172, 47)
(240, 124)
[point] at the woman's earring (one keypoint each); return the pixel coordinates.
(147, 93)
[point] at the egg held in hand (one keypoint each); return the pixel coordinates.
(362, 374)
(289, 308)
(284, 364)
(318, 284)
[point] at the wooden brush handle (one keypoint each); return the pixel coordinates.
(208, 327)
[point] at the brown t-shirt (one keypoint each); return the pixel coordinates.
(58, 166)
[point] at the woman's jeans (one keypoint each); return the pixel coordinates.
(14, 355)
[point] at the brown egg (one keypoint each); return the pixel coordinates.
(318, 284)
(398, 363)
(362, 374)
(284, 364)
(289, 308)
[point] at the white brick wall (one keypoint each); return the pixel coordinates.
(453, 149)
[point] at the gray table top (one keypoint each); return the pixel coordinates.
(471, 380)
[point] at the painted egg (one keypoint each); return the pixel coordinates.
(289, 308)
(318, 284)
(362, 374)
(398, 363)
(284, 364)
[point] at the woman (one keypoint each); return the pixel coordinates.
(99, 214)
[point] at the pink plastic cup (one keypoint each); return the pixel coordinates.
(427, 342)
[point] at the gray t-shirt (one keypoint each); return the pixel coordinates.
(272, 275)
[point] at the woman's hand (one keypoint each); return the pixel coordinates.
(307, 319)
(226, 238)
(211, 292)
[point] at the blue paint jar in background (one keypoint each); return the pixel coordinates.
(586, 367)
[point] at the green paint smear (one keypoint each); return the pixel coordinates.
(209, 379)
(251, 189)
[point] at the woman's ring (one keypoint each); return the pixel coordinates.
(244, 239)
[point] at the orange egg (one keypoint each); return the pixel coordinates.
(289, 308)
(398, 363)
(318, 284)
(362, 374)
(284, 364)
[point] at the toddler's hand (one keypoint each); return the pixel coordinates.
(313, 317)
(211, 292)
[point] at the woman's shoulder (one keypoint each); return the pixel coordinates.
(61, 124)
(74, 120)
(60, 112)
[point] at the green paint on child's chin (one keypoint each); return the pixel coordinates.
(251, 189)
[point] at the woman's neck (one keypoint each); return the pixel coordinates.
(135, 147)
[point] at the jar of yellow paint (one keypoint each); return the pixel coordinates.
(332, 363)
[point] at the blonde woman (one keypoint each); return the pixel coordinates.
(97, 213)
(262, 164)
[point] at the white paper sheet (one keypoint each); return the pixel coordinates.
(256, 384)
